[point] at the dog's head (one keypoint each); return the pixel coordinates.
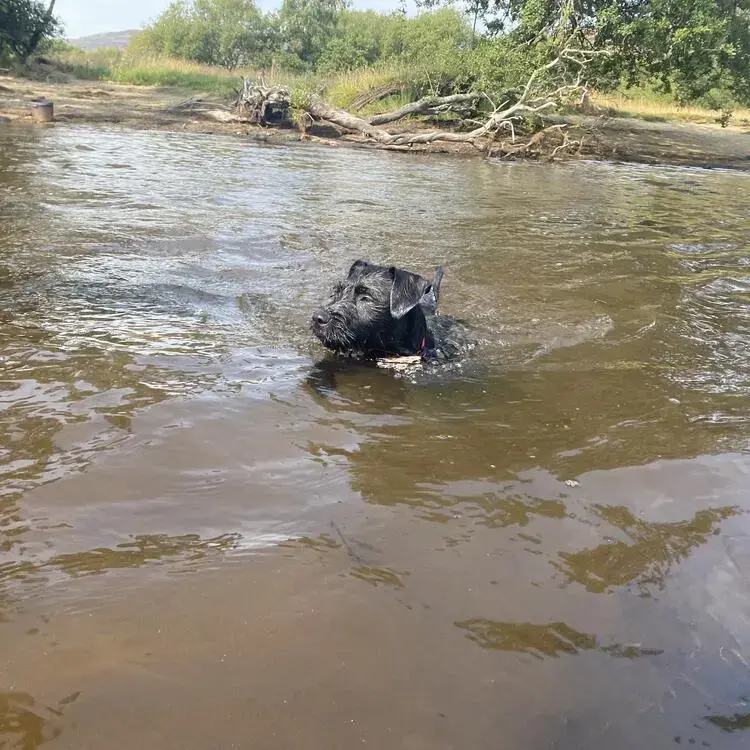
(374, 311)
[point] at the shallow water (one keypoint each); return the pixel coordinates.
(214, 535)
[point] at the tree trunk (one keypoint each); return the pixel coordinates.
(535, 99)
(321, 110)
(429, 105)
(36, 37)
(374, 95)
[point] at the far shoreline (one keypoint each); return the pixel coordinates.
(605, 138)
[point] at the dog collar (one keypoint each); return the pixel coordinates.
(426, 353)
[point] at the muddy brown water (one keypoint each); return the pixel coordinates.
(213, 536)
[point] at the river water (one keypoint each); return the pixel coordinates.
(212, 535)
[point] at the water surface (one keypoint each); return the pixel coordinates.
(214, 535)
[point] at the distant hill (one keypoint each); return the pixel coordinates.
(112, 39)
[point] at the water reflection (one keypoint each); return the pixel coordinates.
(652, 552)
(26, 724)
(539, 641)
(144, 549)
(734, 723)
(183, 552)
(149, 304)
(478, 425)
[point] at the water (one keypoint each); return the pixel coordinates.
(212, 535)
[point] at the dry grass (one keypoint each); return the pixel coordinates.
(341, 90)
(120, 67)
(647, 106)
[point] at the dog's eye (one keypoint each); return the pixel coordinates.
(361, 292)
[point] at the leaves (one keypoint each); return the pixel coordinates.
(228, 33)
(686, 46)
(24, 24)
(689, 47)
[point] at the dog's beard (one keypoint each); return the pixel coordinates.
(336, 335)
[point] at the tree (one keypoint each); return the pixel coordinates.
(688, 46)
(736, 60)
(676, 43)
(24, 25)
(228, 33)
(546, 87)
(359, 41)
(305, 28)
(431, 44)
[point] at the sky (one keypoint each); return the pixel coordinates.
(84, 17)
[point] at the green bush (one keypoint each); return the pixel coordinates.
(227, 33)
(24, 26)
(718, 99)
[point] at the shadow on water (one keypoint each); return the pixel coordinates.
(476, 472)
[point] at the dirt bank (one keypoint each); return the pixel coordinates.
(161, 108)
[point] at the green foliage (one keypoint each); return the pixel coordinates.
(98, 64)
(736, 60)
(685, 46)
(24, 25)
(57, 46)
(305, 28)
(434, 44)
(228, 33)
(676, 43)
(500, 68)
(688, 50)
(718, 99)
(360, 40)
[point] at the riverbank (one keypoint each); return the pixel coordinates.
(177, 109)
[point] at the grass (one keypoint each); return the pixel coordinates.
(117, 66)
(342, 90)
(646, 104)
(120, 67)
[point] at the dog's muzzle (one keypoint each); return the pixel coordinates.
(330, 330)
(320, 319)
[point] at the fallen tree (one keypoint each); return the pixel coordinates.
(429, 105)
(521, 114)
(545, 89)
(373, 95)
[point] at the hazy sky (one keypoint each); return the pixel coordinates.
(84, 17)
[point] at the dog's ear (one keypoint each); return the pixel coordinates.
(407, 291)
(357, 267)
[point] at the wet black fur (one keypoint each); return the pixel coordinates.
(379, 311)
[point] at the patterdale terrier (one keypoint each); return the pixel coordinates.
(378, 312)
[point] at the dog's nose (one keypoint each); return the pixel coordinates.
(321, 317)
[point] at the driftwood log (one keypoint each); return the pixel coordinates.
(262, 105)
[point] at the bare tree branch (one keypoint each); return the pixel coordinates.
(535, 98)
(426, 105)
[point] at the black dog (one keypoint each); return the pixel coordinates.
(379, 312)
